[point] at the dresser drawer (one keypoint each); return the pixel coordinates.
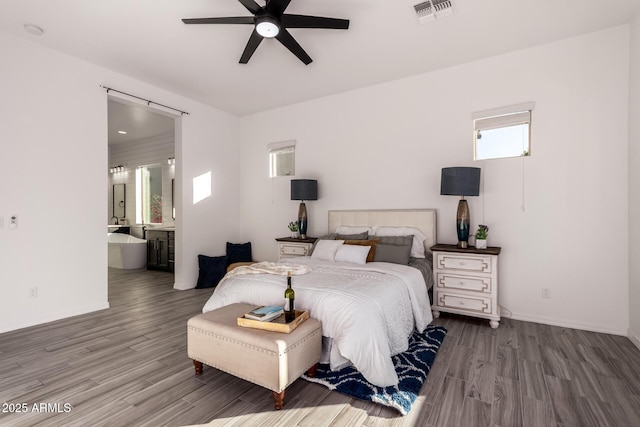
(466, 303)
(466, 283)
(452, 261)
(287, 249)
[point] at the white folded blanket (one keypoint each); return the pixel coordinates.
(269, 268)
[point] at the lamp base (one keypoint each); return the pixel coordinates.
(462, 223)
(302, 220)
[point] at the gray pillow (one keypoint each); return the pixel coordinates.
(360, 236)
(392, 253)
(394, 240)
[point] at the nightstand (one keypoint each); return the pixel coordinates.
(466, 282)
(290, 247)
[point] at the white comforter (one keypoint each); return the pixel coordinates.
(368, 310)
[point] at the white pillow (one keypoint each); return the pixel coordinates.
(326, 249)
(417, 247)
(353, 253)
(352, 229)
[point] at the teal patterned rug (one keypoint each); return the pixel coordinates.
(412, 368)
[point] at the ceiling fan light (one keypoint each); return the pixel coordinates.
(267, 27)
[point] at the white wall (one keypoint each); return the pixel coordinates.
(384, 147)
(634, 182)
(208, 144)
(54, 141)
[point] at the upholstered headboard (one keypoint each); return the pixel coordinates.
(422, 219)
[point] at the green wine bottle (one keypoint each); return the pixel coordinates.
(289, 296)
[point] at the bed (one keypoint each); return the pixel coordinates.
(368, 310)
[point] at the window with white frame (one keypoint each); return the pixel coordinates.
(503, 132)
(282, 158)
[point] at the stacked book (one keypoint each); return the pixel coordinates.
(265, 313)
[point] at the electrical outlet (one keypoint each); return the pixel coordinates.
(33, 292)
(546, 293)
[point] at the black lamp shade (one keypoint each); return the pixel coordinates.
(304, 189)
(457, 181)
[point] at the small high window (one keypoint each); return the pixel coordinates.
(503, 132)
(282, 158)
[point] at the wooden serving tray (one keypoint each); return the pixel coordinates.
(276, 325)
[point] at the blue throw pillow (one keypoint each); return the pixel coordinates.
(212, 270)
(238, 252)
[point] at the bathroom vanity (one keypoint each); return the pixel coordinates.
(160, 248)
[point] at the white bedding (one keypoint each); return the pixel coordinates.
(368, 310)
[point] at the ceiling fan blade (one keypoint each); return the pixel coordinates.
(225, 20)
(252, 45)
(305, 21)
(277, 7)
(251, 5)
(290, 43)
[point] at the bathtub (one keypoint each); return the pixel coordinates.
(126, 252)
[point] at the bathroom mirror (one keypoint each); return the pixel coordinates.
(119, 203)
(149, 194)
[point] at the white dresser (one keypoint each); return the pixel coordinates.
(290, 247)
(466, 282)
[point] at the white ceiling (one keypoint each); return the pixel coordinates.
(147, 40)
(137, 121)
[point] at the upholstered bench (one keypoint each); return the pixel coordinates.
(270, 359)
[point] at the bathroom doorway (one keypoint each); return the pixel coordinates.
(141, 175)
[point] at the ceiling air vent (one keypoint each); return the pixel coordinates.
(429, 10)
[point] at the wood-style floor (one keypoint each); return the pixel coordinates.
(127, 366)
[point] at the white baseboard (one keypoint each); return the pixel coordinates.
(183, 286)
(633, 338)
(564, 323)
(51, 317)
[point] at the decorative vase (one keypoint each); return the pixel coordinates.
(462, 223)
(295, 235)
(481, 243)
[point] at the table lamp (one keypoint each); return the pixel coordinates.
(461, 181)
(303, 189)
